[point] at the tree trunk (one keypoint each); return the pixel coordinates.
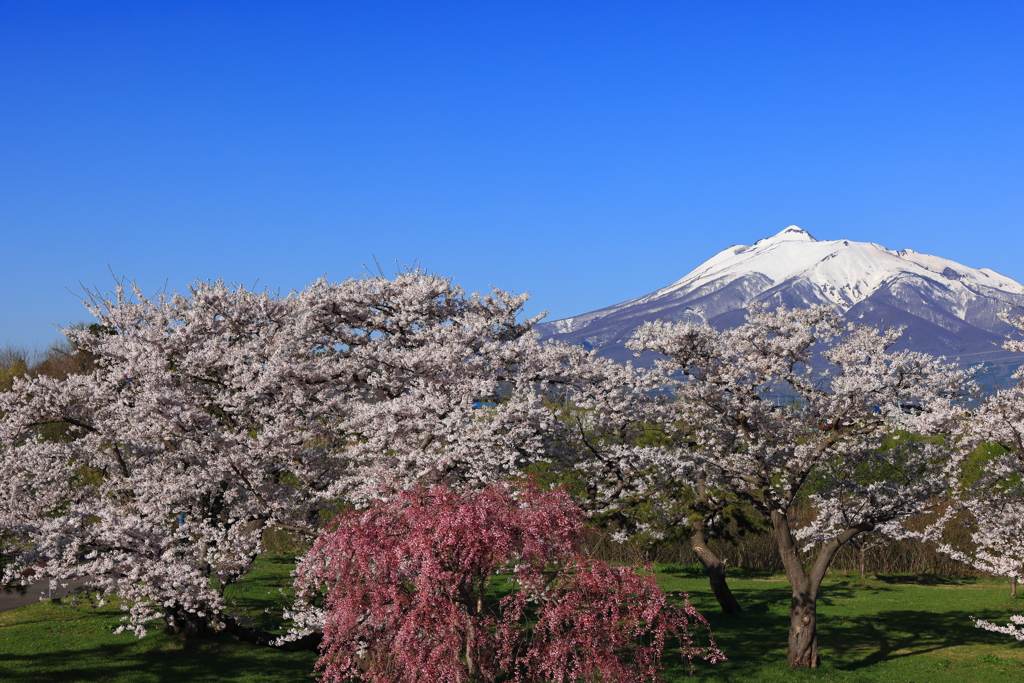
(1013, 587)
(714, 565)
(803, 630)
(716, 571)
(863, 564)
(803, 616)
(184, 623)
(470, 668)
(803, 622)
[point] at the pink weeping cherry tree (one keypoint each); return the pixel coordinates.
(410, 595)
(795, 404)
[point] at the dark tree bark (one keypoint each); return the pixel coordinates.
(182, 623)
(716, 571)
(803, 630)
(712, 563)
(803, 615)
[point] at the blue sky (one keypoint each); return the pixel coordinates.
(585, 152)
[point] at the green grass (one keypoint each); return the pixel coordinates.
(892, 628)
(63, 642)
(59, 643)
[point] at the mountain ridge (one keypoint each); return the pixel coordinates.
(948, 309)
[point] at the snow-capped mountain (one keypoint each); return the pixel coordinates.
(947, 308)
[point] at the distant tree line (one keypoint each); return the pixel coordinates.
(58, 360)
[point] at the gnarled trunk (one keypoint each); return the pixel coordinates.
(716, 571)
(803, 630)
(803, 616)
(712, 563)
(803, 622)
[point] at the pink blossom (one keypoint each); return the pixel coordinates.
(407, 594)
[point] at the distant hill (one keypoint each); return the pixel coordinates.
(948, 309)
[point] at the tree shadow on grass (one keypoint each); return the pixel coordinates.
(755, 642)
(751, 641)
(895, 634)
(696, 571)
(216, 659)
(926, 579)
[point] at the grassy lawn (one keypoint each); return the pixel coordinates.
(47, 642)
(893, 628)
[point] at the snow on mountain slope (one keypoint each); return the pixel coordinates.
(948, 308)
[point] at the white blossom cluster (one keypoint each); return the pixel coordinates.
(994, 501)
(798, 403)
(1015, 628)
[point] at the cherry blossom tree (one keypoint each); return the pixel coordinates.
(793, 406)
(994, 500)
(214, 415)
(408, 594)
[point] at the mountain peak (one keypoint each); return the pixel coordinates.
(793, 233)
(948, 308)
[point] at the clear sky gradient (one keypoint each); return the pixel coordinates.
(585, 152)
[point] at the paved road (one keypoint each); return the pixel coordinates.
(35, 592)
